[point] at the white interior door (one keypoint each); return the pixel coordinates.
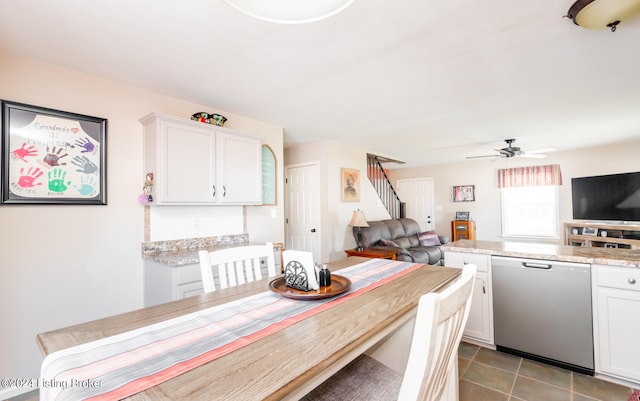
(302, 208)
(418, 197)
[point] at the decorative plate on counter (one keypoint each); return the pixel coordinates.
(339, 285)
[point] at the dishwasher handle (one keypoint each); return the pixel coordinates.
(531, 265)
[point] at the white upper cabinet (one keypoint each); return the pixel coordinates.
(239, 169)
(198, 164)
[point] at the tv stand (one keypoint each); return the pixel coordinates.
(604, 235)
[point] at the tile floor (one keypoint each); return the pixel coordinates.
(487, 375)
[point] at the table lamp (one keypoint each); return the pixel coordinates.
(358, 220)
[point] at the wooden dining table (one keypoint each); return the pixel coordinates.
(286, 364)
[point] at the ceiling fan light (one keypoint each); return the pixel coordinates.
(599, 14)
(290, 11)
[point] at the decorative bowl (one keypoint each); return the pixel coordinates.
(217, 119)
(209, 118)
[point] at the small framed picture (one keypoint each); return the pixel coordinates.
(350, 184)
(464, 193)
(589, 231)
(462, 216)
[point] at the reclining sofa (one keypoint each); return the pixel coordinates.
(404, 235)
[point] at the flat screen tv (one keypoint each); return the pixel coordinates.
(614, 197)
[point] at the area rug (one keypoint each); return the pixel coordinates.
(354, 382)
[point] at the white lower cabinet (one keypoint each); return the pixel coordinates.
(616, 313)
(163, 283)
(480, 323)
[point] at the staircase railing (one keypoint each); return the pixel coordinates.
(383, 187)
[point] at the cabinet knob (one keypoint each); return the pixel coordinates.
(465, 263)
(214, 190)
(632, 281)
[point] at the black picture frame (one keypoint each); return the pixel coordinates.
(462, 216)
(464, 193)
(52, 157)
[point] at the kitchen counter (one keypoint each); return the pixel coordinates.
(185, 251)
(563, 253)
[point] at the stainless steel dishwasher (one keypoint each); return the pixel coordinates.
(542, 311)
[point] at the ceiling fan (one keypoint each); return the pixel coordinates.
(514, 151)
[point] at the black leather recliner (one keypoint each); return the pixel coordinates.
(404, 233)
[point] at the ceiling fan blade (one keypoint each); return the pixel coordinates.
(479, 157)
(544, 150)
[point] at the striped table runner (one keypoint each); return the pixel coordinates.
(119, 366)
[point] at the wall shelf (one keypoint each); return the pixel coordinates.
(625, 236)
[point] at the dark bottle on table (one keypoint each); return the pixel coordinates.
(324, 276)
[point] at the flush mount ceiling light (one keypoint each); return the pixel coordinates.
(598, 14)
(290, 11)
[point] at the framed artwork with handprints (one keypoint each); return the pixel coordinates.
(52, 157)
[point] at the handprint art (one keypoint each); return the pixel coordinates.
(87, 185)
(86, 145)
(53, 157)
(85, 165)
(28, 179)
(56, 180)
(23, 152)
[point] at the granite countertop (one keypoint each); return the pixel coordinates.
(185, 251)
(563, 253)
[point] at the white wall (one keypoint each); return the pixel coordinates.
(483, 173)
(63, 265)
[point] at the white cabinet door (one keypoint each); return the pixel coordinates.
(200, 164)
(187, 171)
(189, 290)
(480, 322)
(239, 169)
(617, 308)
(164, 283)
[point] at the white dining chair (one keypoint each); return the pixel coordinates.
(432, 368)
(236, 265)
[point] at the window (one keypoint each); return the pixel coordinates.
(530, 211)
(530, 201)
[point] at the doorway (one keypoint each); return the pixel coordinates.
(302, 208)
(418, 196)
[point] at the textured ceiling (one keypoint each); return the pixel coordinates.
(421, 81)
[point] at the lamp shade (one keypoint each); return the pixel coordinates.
(598, 14)
(290, 11)
(358, 219)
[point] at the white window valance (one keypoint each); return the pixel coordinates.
(531, 176)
